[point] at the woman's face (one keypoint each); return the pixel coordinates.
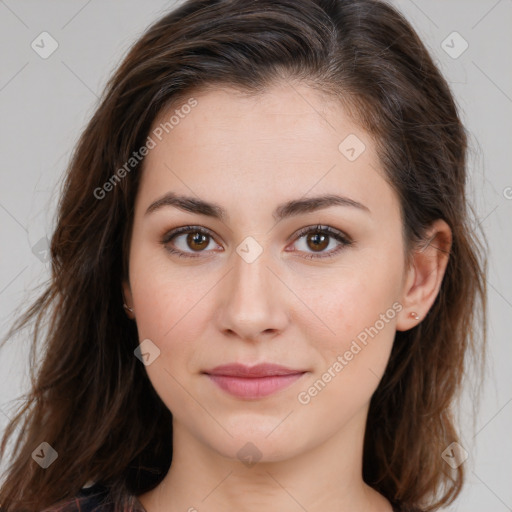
(264, 283)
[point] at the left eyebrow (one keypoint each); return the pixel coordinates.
(283, 211)
(298, 206)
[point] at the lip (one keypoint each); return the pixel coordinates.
(253, 381)
(259, 370)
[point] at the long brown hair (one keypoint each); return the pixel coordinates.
(91, 399)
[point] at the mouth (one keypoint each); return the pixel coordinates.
(252, 382)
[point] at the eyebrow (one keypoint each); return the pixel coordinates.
(283, 211)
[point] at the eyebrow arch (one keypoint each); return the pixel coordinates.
(283, 211)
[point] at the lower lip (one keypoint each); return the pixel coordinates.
(254, 387)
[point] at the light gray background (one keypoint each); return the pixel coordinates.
(45, 104)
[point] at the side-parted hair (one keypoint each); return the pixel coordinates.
(91, 398)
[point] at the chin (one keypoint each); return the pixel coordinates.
(264, 441)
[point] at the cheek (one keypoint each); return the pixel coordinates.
(346, 300)
(351, 361)
(166, 295)
(357, 309)
(170, 311)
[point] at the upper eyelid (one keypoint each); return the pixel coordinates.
(320, 227)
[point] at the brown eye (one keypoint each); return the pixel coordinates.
(313, 241)
(197, 241)
(187, 240)
(317, 241)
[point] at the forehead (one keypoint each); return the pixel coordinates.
(285, 112)
(284, 141)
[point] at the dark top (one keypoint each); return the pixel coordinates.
(93, 499)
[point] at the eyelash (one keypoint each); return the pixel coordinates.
(344, 240)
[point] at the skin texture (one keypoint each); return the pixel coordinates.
(249, 155)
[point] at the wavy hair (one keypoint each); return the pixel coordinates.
(92, 400)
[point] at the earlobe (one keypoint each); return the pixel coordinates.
(425, 275)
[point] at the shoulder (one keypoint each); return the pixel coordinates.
(97, 498)
(88, 499)
(94, 499)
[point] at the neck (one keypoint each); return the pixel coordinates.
(323, 477)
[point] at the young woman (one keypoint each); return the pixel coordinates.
(264, 281)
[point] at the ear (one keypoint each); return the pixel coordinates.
(425, 274)
(127, 295)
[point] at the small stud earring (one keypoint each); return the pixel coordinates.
(414, 315)
(127, 308)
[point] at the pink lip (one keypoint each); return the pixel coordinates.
(253, 381)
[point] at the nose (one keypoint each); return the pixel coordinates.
(253, 303)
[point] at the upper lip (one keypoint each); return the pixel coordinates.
(259, 370)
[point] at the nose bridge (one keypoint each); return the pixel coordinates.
(251, 277)
(252, 303)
